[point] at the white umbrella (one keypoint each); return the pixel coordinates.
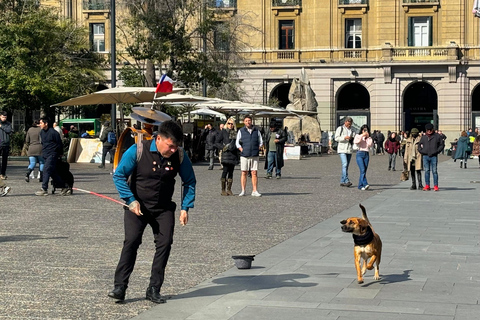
(208, 112)
(181, 99)
(116, 95)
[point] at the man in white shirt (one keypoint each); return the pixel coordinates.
(344, 136)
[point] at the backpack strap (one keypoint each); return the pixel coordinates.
(140, 151)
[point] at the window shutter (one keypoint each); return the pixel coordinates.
(430, 31)
(410, 36)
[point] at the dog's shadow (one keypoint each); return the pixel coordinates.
(391, 278)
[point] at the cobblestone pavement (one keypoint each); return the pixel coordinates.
(58, 254)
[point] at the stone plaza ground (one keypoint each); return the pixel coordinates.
(58, 254)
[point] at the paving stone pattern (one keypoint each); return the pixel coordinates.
(58, 254)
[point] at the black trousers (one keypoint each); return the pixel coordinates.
(106, 150)
(162, 227)
(50, 170)
(4, 151)
(228, 171)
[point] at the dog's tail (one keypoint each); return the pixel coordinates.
(364, 214)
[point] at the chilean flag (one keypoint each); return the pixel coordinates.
(165, 84)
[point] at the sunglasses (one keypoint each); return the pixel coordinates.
(229, 123)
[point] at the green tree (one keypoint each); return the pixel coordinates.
(43, 59)
(188, 40)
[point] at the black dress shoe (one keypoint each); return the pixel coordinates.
(153, 294)
(118, 293)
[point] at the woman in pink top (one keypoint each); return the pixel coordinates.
(364, 143)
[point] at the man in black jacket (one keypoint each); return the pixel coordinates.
(5, 131)
(430, 145)
(107, 146)
(52, 148)
(210, 143)
(274, 145)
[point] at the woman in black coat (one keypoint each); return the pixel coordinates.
(227, 138)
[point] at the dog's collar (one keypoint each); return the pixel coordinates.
(363, 239)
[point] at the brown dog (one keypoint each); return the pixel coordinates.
(367, 244)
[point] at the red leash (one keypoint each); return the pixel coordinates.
(101, 196)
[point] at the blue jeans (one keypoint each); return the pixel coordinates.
(34, 160)
(363, 157)
(272, 162)
(345, 157)
(391, 160)
(430, 164)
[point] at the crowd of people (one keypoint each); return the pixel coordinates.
(419, 150)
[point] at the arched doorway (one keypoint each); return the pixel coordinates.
(476, 107)
(280, 93)
(353, 100)
(420, 103)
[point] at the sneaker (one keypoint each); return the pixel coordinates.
(279, 177)
(427, 188)
(268, 176)
(367, 186)
(66, 192)
(41, 193)
(32, 175)
(435, 188)
(3, 177)
(348, 184)
(101, 166)
(241, 194)
(5, 190)
(256, 194)
(363, 189)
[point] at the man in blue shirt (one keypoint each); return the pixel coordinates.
(145, 179)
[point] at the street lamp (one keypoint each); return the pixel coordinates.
(113, 62)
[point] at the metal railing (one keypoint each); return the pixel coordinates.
(348, 2)
(96, 5)
(431, 53)
(226, 4)
(286, 3)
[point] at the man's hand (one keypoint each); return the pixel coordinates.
(183, 217)
(347, 137)
(241, 149)
(135, 208)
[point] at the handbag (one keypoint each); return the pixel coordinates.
(404, 176)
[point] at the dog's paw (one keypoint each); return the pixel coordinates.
(360, 281)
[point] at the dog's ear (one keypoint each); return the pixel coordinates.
(363, 226)
(343, 221)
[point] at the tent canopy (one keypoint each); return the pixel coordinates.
(116, 95)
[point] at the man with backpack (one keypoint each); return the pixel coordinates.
(109, 140)
(151, 166)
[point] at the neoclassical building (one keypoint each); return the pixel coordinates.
(393, 64)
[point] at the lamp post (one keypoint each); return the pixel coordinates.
(113, 62)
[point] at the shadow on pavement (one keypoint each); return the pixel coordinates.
(233, 284)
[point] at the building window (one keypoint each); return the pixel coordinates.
(287, 34)
(97, 36)
(353, 33)
(221, 37)
(419, 31)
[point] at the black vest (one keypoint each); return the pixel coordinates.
(250, 142)
(153, 180)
